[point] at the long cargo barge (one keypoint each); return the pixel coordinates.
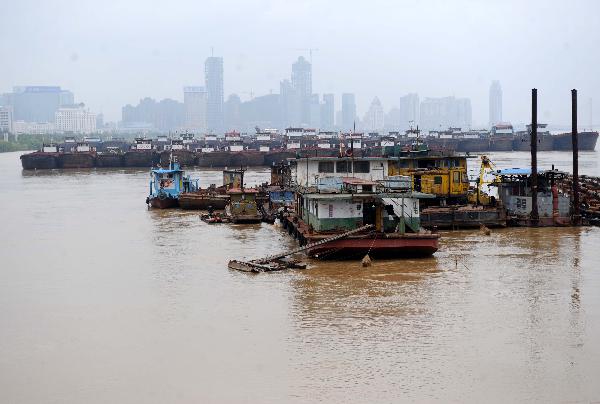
(268, 149)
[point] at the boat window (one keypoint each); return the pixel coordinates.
(342, 167)
(361, 167)
(437, 180)
(325, 166)
(465, 178)
(456, 177)
(367, 188)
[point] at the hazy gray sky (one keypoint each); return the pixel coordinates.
(110, 53)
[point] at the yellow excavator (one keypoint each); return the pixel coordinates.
(477, 196)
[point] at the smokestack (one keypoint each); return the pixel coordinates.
(534, 174)
(575, 190)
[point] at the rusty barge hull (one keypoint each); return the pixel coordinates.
(186, 158)
(39, 161)
(77, 160)
(197, 201)
(376, 244)
(404, 246)
(166, 203)
(141, 158)
(109, 160)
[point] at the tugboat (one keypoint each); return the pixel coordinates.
(167, 184)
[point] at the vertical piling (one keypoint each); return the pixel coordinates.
(575, 185)
(534, 171)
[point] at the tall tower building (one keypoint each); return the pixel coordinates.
(495, 103)
(213, 75)
(194, 101)
(348, 111)
(409, 111)
(302, 83)
(327, 112)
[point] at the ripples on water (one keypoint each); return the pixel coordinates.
(102, 300)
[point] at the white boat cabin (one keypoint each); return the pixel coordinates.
(309, 170)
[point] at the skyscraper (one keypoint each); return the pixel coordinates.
(213, 75)
(302, 83)
(442, 113)
(290, 104)
(327, 112)
(37, 103)
(409, 111)
(374, 118)
(315, 111)
(348, 111)
(194, 101)
(495, 103)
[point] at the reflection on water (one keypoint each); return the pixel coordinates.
(103, 300)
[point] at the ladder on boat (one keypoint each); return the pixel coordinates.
(311, 245)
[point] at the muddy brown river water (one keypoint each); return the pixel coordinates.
(104, 301)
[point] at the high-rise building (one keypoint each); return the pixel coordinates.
(38, 103)
(231, 110)
(6, 119)
(66, 98)
(75, 119)
(261, 112)
(348, 111)
(442, 113)
(194, 101)
(213, 74)
(339, 117)
(315, 112)
(291, 111)
(302, 83)
(409, 111)
(327, 112)
(495, 103)
(374, 118)
(166, 115)
(392, 119)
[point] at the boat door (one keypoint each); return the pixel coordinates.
(369, 213)
(455, 182)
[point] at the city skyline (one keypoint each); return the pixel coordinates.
(113, 65)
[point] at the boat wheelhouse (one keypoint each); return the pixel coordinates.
(166, 184)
